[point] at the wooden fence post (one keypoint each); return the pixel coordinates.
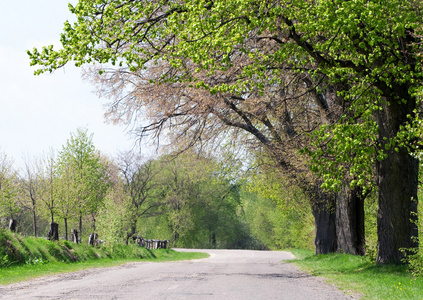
(74, 236)
(12, 225)
(92, 240)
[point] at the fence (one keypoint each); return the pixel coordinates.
(152, 244)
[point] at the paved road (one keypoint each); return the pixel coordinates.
(226, 274)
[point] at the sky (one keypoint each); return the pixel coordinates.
(38, 113)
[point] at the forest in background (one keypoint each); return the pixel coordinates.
(191, 199)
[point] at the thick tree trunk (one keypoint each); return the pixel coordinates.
(350, 221)
(339, 220)
(53, 234)
(324, 219)
(397, 180)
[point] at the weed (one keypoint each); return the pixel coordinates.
(36, 261)
(4, 261)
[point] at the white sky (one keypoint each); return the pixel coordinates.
(39, 112)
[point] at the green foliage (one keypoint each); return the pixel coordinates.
(370, 213)
(414, 256)
(112, 216)
(276, 227)
(201, 205)
(46, 191)
(279, 216)
(36, 261)
(8, 188)
(363, 49)
(4, 261)
(82, 177)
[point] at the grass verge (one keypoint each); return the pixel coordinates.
(359, 275)
(24, 258)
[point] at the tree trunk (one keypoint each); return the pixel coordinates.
(175, 235)
(324, 218)
(212, 240)
(132, 233)
(339, 220)
(53, 234)
(66, 228)
(350, 221)
(34, 222)
(80, 228)
(397, 180)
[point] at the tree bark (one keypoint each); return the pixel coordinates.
(66, 228)
(80, 228)
(324, 214)
(132, 233)
(339, 220)
(53, 234)
(34, 222)
(350, 231)
(397, 180)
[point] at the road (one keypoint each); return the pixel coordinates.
(226, 274)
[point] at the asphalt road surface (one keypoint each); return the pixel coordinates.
(226, 274)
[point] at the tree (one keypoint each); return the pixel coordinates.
(273, 206)
(8, 188)
(66, 202)
(139, 181)
(83, 175)
(46, 175)
(363, 52)
(115, 213)
(200, 203)
(30, 187)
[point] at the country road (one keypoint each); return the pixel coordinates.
(226, 274)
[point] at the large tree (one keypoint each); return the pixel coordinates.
(362, 52)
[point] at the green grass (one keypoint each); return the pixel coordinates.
(358, 275)
(23, 258)
(25, 272)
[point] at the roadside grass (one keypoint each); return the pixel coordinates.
(357, 275)
(24, 258)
